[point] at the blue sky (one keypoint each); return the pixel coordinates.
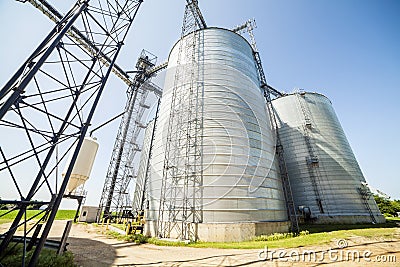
(348, 50)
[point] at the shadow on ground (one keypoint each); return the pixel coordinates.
(318, 228)
(236, 259)
(102, 251)
(91, 253)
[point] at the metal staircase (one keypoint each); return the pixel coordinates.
(268, 91)
(312, 159)
(366, 194)
(115, 199)
(181, 191)
(287, 189)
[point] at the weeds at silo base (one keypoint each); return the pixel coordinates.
(135, 238)
(278, 236)
(311, 235)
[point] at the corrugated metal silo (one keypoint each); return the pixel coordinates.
(241, 189)
(325, 177)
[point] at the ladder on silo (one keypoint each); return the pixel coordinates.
(312, 160)
(287, 189)
(290, 205)
(366, 194)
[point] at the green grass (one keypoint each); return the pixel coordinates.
(318, 228)
(136, 238)
(115, 235)
(313, 235)
(291, 242)
(318, 235)
(5, 221)
(279, 236)
(165, 243)
(47, 258)
(393, 219)
(61, 215)
(65, 214)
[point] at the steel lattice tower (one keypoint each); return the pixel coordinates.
(181, 190)
(47, 107)
(115, 198)
(115, 202)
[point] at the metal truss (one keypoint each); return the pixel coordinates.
(248, 27)
(115, 197)
(181, 191)
(115, 202)
(141, 194)
(48, 10)
(46, 109)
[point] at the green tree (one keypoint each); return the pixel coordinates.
(387, 206)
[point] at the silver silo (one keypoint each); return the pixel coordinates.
(241, 190)
(327, 183)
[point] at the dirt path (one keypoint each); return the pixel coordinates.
(92, 248)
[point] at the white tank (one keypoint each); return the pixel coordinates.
(83, 165)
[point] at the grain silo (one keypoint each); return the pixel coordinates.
(327, 183)
(213, 167)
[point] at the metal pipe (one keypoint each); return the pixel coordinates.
(147, 172)
(107, 122)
